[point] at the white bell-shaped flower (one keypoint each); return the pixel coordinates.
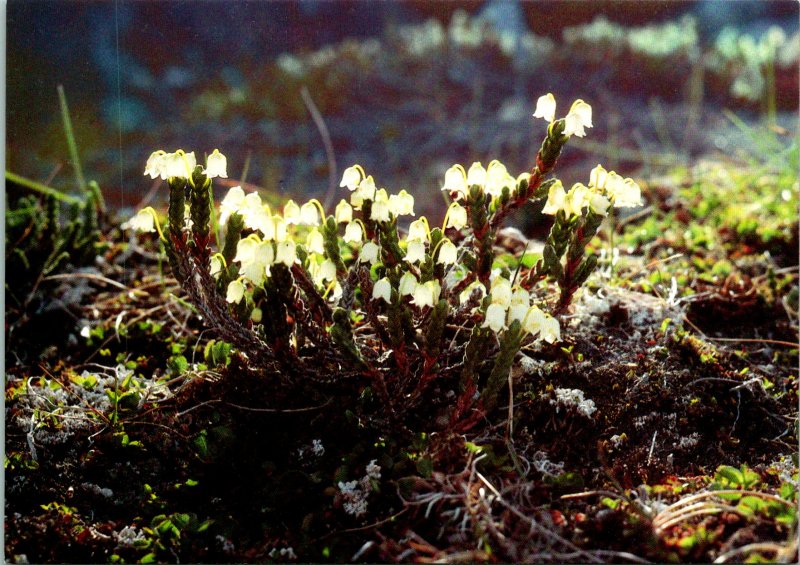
(624, 193)
(415, 252)
(419, 230)
(370, 253)
(155, 165)
(476, 175)
(352, 177)
(455, 181)
(498, 178)
(215, 265)
(408, 284)
(517, 312)
(426, 294)
(495, 318)
(382, 289)
(353, 233)
(309, 214)
(235, 292)
(546, 107)
(380, 207)
(216, 165)
(231, 204)
(501, 292)
(578, 118)
(550, 330)
(365, 191)
(521, 296)
(143, 221)
(448, 253)
(287, 253)
(326, 272)
(344, 212)
(401, 204)
(456, 216)
(291, 212)
(315, 243)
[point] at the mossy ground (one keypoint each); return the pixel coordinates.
(685, 342)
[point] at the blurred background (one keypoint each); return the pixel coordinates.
(405, 89)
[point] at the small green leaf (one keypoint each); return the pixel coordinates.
(730, 474)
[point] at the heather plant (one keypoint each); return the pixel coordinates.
(416, 321)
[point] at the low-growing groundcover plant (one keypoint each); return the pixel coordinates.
(418, 321)
(371, 386)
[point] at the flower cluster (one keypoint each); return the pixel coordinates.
(365, 287)
(493, 179)
(605, 188)
(578, 118)
(514, 304)
(180, 164)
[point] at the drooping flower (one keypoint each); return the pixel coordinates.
(215, 265)
(408, 284)
(401, 204)
(500, 292)
(256, 216)
(353, 233)
(426, 294)
(455, 181)
(352, 177)
(448, 253)
(598, 177)
(380, 207)
(521, 296)
(143, 221)
(370, 253)
(231, 204)
(287, 253)
(325, 272)
(495, 318)
(419, 230)
(309, 214)
(545, 326)
(344, 212)
(456, 216)
(216, 165)
(551, 330)
(179, 164)
(155, 165)
(315, 243)
(291, 212)
(235, 292)
(578, 118)
(321, 272)
(255, 257)
(476, 175)
(498, 178)
(246, 248)
(415, 252)
(365, 191)
(570, 203)
(622, 192)
(517, 312)
(382, 289)
(279, 225)
(546, 108)
(598, 204)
